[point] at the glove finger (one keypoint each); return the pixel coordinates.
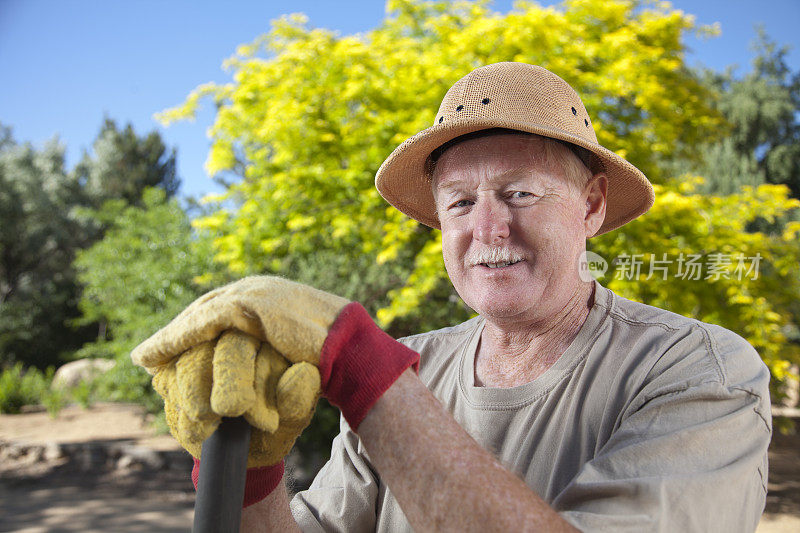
(189, 433)
(234, 369)
(269, 367)
(194, 379)
(297, 394)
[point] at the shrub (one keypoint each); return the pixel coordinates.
(20, 386)
(83, 393)
(54, 399)
(126, 383)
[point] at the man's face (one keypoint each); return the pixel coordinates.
(513, 226)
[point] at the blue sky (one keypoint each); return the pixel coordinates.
(66, 64)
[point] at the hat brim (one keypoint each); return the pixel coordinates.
(403, 182)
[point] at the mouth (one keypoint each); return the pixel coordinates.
(500, 265)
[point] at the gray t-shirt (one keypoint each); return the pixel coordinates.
(649, 421)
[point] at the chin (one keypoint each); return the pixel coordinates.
(501, 306)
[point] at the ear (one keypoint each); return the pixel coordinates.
(594, 194)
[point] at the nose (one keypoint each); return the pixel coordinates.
(491, 221)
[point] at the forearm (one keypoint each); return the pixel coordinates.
(442, 478)
(270, 514)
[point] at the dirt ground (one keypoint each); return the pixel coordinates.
(88, 492)
(51, 492)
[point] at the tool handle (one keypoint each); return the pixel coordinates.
(223, 468)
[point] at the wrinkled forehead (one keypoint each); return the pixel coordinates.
(490, 175)
(494, 158)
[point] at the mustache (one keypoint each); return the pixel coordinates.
(494, 255)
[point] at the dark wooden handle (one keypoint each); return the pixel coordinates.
(220, 487)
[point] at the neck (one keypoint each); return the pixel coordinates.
(515, 354)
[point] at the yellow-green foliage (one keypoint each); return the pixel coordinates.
(310, 115)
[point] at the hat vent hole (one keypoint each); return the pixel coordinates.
(586, 121)
(441, 119)
(485, 101)
(459, 108)
(574, 111)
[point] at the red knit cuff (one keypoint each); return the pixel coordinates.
(259, 482)
(359, 362)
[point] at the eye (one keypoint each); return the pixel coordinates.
(461, 203)
(520, 194)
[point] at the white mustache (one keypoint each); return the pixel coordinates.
(494, 255)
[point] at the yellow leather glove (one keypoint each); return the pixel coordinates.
(356, 360)
(233, 376)
(292, 317)
(330, 345)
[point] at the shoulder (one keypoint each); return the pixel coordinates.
(682, 351)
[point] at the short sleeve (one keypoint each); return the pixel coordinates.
(343, 495)
(691, 456)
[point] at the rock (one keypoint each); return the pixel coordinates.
(52, 451)
(35, 454)
(73, 373)
(12, 451)
(87, 455)
(144, 456)
(125, 462)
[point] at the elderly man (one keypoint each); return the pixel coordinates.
(561, 406)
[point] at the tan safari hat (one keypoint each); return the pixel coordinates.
(513, 96)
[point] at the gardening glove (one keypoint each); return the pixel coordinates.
(233, 377)
(357, 361)
(238, 376)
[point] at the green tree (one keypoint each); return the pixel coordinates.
(124, 164)
(762, 108)
(39, 233)
(43, 224)
(139, 276)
